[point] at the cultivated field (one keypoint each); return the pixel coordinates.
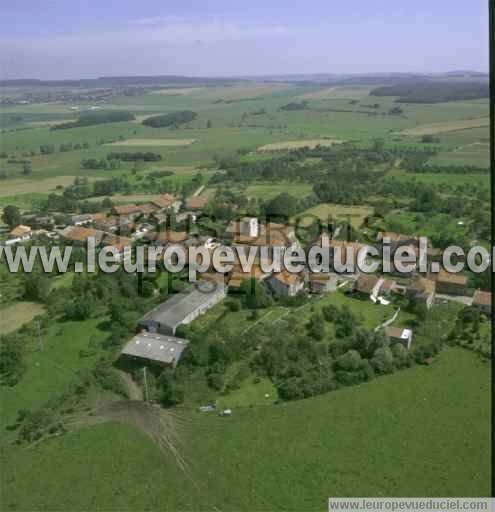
(298, 144)
(177, 91)
(153, 142)
(453, 126)
(336, 92)
(15, 187)
(253, 90)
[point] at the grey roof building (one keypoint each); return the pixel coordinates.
(183, 307)
(157, 348)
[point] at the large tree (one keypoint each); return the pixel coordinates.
(11, 216)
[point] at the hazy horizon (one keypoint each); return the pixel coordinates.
(86, 40)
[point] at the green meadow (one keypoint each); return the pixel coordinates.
(242, 118)
(395, 436)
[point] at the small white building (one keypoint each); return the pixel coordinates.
(400, 334)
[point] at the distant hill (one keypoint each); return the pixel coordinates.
(434, 91)
(112, 81)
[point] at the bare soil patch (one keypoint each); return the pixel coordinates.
(20, 313)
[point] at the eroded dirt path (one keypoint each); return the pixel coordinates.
(165, 428)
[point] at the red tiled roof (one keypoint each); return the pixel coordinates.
(127, 209)
(287, 278)
(447, 277)
(80, 233)
(197, 202)
(20, 230)
(119, 242)
(482, 298)
(163, 201)
(172, 236)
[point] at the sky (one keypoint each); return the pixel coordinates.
(56, 39)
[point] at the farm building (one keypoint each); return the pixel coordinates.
(154, 348)
(238, 276)
(374, 286)
(483, 301)
(341, 253)
(79, 234)
(322, 282)
(81, 220)
(400, 334)
(133, 210)
(104, 223)
(163, 201)
(117, 242)
(397, 240)
(243, 229)
(197, 203)
(183, 307)
(20, 233)
(166, 237)
(422, 290)
(286, 284)
(450, 284)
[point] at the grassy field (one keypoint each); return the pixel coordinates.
(326, 212)
(50, 371)
(20, 187)
(268, 191)
(243, 117)
(352, 443)
(454, 126)
(400, 435)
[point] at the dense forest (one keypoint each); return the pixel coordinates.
(99, 117)
(172, 119)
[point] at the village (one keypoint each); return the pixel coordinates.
(168, 222)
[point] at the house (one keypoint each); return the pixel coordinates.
(449, 283)
(376, 287)
(483, 301)
(133, 211)
(20, 233)
(211, 276)
(142, 230)
(322, 282)
(422, 290)
(341, 253)
(117, 242)
(147, 347)
(81, 220)
(159, 218)
(286, 284)
(245, 228)
(397, 239)
(400, 334)
(169, 237)
(182, 308)
(104, 223)
(80, 234)
(163, 202)
(272, 236)
(238, 276)
(197, 203)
